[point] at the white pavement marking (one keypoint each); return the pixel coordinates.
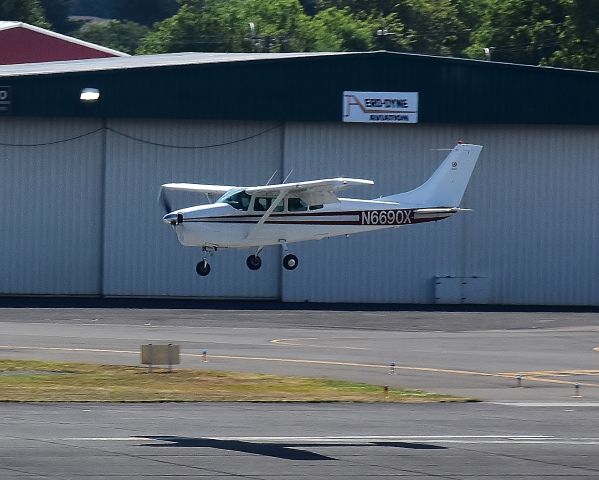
(365, 439)
(581, 403)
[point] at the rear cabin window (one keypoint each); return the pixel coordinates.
(296, 205)
(262, 204)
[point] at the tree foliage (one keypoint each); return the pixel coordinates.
(28, 11)
(57, 12)
(120, 35)
(520, 31)
(232, 26)
(578, 36)
(562, 33)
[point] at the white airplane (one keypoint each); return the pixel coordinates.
(245, 217)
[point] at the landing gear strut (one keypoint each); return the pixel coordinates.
(203, 267)
(290, 261)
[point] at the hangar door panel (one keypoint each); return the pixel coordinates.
(143, 256)
(51, 207)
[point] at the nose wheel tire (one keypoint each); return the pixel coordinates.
(254, 262)
(203, 268)
(290, 262)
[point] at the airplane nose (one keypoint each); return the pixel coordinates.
(173, 218)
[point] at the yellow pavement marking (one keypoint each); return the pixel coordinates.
(503, 375)
(549, 373)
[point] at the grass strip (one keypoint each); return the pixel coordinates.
(38, 381)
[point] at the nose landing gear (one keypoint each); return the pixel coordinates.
(254, 262)
(203, 267)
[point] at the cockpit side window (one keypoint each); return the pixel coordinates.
(296, 205)
(239, 200)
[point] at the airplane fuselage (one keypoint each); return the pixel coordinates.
(221, 225)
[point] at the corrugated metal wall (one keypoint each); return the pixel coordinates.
(533, 232)
(51, 201)
(142, 254)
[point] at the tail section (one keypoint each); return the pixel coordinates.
(446, 187)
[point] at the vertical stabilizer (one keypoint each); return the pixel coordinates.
(446, 187)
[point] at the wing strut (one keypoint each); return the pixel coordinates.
(267, 214)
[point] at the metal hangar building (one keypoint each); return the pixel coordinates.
(79, 180)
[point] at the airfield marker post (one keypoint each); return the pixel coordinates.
(577, 391)
(392, 368)
(519, 381)
(205, 356)
(386, 390)
(151, 355)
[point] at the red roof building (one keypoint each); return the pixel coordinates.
(24, 43)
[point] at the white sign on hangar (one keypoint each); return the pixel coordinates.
(380, 107)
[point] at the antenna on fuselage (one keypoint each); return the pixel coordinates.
(271, 177)
(288, 175)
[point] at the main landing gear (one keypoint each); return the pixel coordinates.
(290, 262)
(253, 262)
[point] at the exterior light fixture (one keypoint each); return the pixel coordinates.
(89, 95)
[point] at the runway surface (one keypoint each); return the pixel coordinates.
(319, 441)
(541, 429)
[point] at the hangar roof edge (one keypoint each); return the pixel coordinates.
(152, 61)
(204, 58)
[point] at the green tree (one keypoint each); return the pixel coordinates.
(232, 26)
(431, 27)
(519, 31)
(421, 26)
(338, 30)
(57, 12)
(28, 11)
(120, 35)
(578, 36)
(212, 27)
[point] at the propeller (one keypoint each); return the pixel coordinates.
(163, 201)
(173, 219)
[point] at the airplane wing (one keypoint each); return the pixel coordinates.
(313, 192)
(195, 187)
(212, 192)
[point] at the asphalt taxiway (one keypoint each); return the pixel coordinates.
(316, 441)
(544, 428)
(473, 354)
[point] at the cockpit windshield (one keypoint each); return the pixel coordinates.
(236, 198)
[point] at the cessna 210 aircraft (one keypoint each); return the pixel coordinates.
(246, 217)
